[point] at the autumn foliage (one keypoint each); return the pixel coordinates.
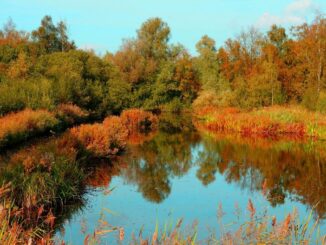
(70, 113)
(139, 120)
(110, 137)
(99, 140)
(19, 126)
(266, 123)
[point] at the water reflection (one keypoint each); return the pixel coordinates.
(151, 165)
(283, 168)
(293, 169)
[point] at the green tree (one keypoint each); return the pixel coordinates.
(207, 64)
(51, 38)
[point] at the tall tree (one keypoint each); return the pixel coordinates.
(51, 38)
(207, 63)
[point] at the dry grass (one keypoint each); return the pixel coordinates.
(110, 137)
(16, 127)
(71, 114)
(19, 126)
(13, 231)
(269, 122)
(139, 120)
(257, 229)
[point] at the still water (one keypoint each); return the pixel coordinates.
(182, 172)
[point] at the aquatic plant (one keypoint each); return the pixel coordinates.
(258, 228)
(102, 139)
(70, 114)
(19, 126)
(138, 119)
(267, 122)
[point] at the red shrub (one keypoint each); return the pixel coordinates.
(104, 139)
(70, 113)
(137, 119)
(231, 120)
(18, 126)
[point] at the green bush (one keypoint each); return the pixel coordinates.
(19, 94)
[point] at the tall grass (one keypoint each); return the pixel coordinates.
(45, 177)
(257, 228)
(17, 127)
(20, 126)
(266, 122)
(139, 120)
(110, 137)
(12, 230)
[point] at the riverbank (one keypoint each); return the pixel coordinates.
(39, 181)
(269, 122)
(20, 126)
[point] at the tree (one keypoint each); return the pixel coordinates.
(207, 63)
(312, 42)
(20, 67)
(51, 38)
(153, 37)
(186, 75)
(277, 36)
(63, 37)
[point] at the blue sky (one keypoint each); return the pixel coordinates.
(103, 24)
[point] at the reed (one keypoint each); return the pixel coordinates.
(267, 122)
(258, 228)
(139, 120)
(17, 127)
(20, 126)
(110, 137)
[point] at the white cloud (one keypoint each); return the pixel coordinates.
(295, 13)
(299, 6)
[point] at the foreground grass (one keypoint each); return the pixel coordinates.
(257, 229)
(39, 180)
(268, 122)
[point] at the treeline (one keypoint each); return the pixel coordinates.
(43, 69)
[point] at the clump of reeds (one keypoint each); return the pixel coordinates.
(19, 126)
(110, 137)
(15, 228)
(264, 229)
(71, 114)
(266, 122)
(137, 119)
(257, 229)
(104, 139)
(47, 175)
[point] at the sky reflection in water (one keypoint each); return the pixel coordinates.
(181, 173)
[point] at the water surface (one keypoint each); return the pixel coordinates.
(180, 172)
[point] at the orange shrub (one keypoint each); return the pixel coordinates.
(104, 139)
(93, 138)
(257, 123)
(137, 119)
(19, 126)
(70, 113)
(115, 129)
(110, 137)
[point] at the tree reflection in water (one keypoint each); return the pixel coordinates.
(290, 168)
